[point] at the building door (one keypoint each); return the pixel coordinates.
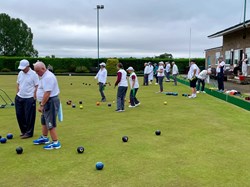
(241, 55)
(208, 61)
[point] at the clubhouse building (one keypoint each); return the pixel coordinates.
(236, 43)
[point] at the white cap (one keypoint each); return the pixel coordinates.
(103, 64)
(23, 64)
(161, 62)
(130, 69)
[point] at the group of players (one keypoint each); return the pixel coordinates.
(160, 71)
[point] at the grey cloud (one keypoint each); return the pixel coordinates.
(127, 28)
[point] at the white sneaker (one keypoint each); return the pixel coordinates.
(198, 92)
(203, 92)
(192, 97)
(156, 83)
(130, 106)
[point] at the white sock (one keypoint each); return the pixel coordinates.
(55, 142)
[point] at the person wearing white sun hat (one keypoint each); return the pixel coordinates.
(134, 85)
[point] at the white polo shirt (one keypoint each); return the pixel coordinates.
(175, 70)
(168, 68)
(27, 83)
(48, 82)
(160, 74)
(102, 75)
(191, 71)
(123, 81)
(203, 75)
(136, 85)
(218, 69)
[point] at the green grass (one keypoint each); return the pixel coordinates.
(204, 142)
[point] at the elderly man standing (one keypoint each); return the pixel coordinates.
(47, 95)
(25, 101)
(101, 76)
(220, 74)
(175, 72)
(146, 73)
(167, 70)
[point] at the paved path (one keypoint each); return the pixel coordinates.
(234, 86)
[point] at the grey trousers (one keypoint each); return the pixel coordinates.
(175, 80)
(121, 94)
(160, 79)
(101, 88)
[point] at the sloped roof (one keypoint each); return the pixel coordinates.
(231, 29)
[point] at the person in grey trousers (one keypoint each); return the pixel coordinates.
(122, 84)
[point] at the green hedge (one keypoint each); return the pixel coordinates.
(71, 64)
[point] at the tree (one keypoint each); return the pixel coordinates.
(15, 38)
(165, 55)
(111, 66)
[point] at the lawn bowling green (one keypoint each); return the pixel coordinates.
(204, 141)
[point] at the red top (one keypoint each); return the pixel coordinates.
(119, 77)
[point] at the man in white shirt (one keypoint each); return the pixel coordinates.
(175, 72)
(146, 73)
(101, 76)
(167, 70)
(47, 95)
(202, 77)
(25, 101)
(192, 77)
(220, 74)
(160, 75)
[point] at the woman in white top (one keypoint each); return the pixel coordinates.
(122, 84)
(160, 75)
(134, 85)
(151, 72)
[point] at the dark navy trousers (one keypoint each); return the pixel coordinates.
(26, 114)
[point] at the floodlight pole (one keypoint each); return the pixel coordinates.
(245, 8)
(98, 7)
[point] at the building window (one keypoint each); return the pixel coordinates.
(208, 61)
(248, 54)
(236, 56)
(217, 56)
(228, 57)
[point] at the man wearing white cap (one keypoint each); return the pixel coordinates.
(101, 76)
(134, 85)
(25, 101)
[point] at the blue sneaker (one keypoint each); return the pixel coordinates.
(41, 140)
(52, 145)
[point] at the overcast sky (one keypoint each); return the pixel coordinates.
(138, 28)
